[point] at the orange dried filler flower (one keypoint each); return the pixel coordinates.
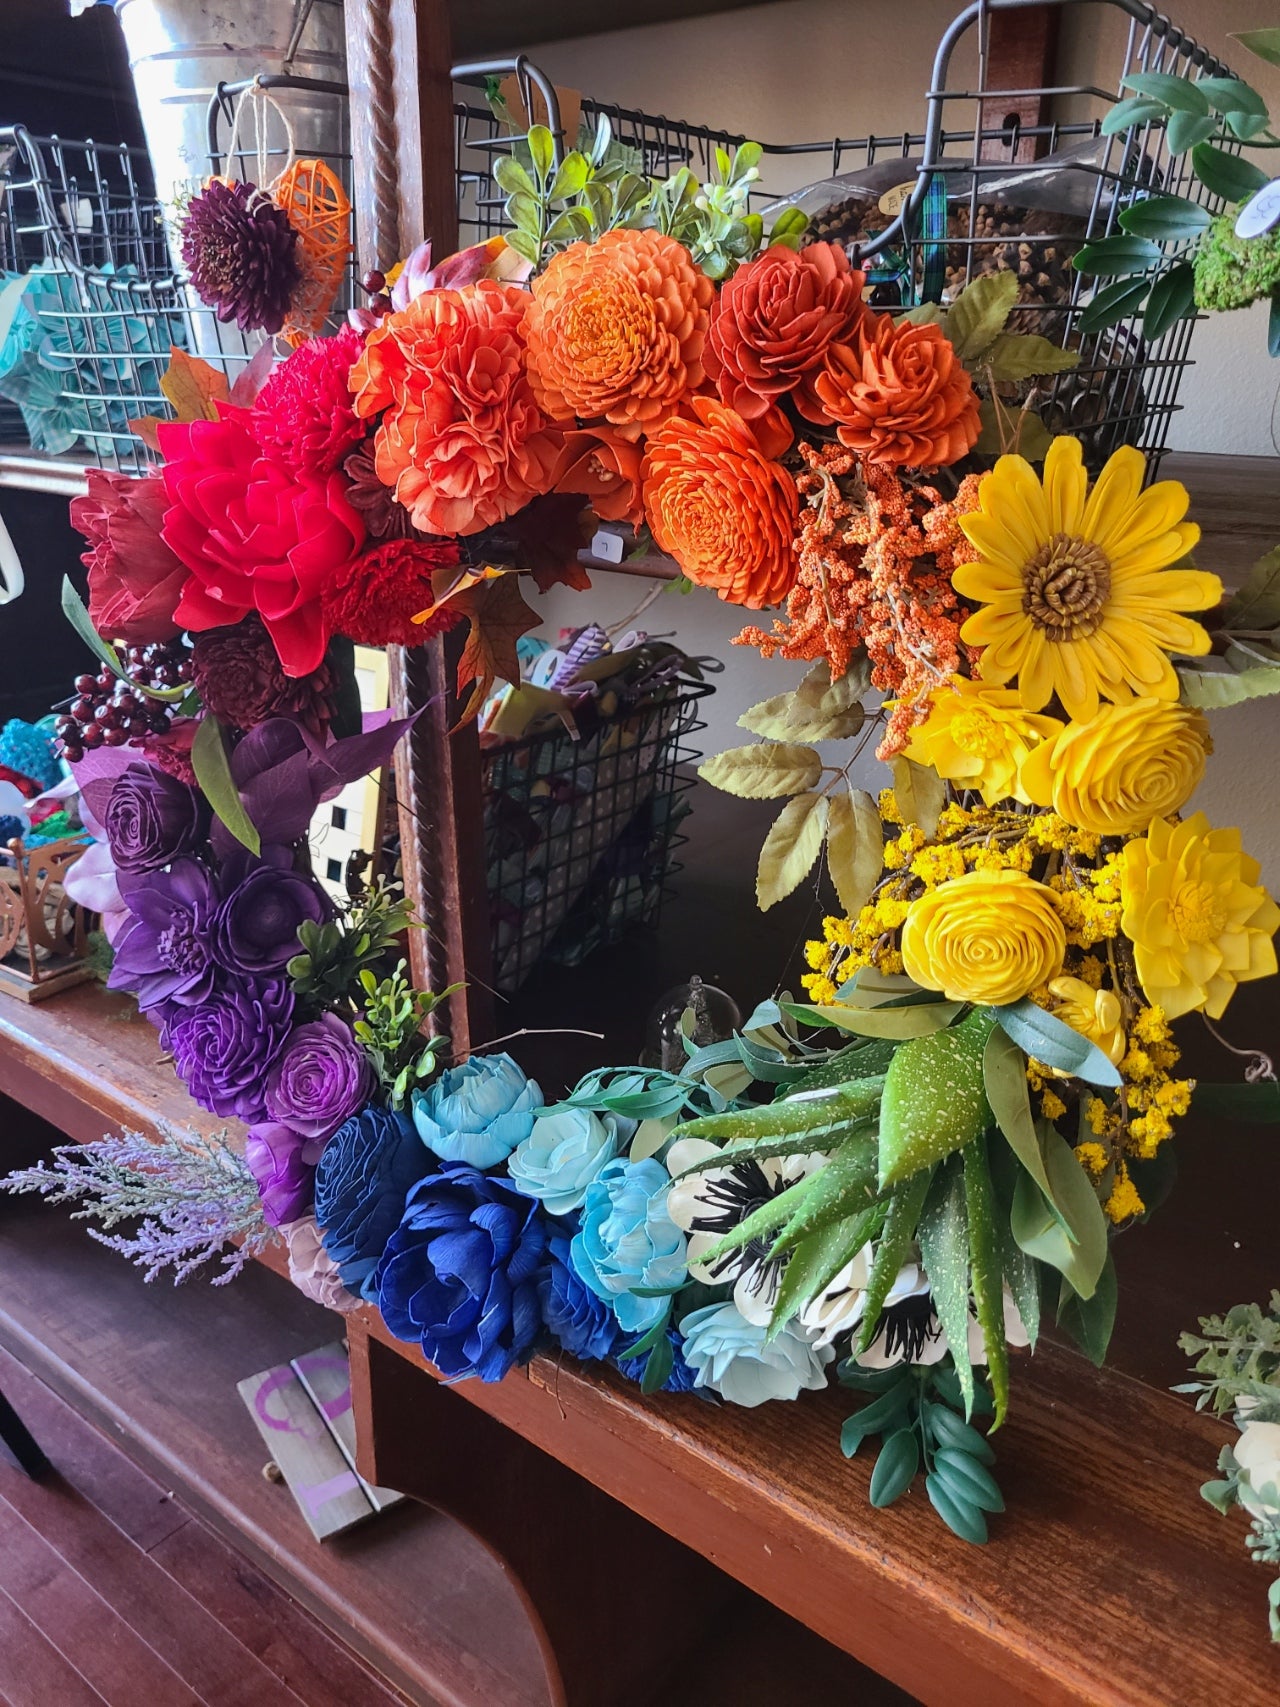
(616, 329)
(899, 394)
(720, 507)
(874, 572)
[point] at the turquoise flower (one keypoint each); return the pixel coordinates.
(730, 1355)
(627, 1239)
(477, 1113)
(564, 1153)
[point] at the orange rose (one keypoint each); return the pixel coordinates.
(900, 395)
(774, 322)
(604, 467)
(725, 512)
(616, 329)
(462, 441)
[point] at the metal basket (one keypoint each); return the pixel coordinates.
(580, 835)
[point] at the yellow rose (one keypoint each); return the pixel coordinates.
(1127, 765)
(1199, 922)
(977, 736)
(989, 936)
(1095, 1014)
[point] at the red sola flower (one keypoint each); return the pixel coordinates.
(376, 598)
(305, 414)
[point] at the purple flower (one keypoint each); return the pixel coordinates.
(460, 1274)
(223, 1048)
(320, 1077)
(256, 930)
(163, 952)
(283, 1163)
(151, 818)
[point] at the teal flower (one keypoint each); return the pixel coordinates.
(477, 1113)
(730, 1355)
(564, 1153)
(627, 1239)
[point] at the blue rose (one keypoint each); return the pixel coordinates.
(564, 1153)
(627, 1239)
(681, 1378)
(735, 1357)
(477, 1113)
(460, 1274)
(582, 1322)
(364, 1173)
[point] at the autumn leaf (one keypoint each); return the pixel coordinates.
(193, 387)
(499, 616)
(251, 379)
(448, 586)
(144, 428)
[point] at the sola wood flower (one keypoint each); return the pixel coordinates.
(462, 441)
(242, 682)
(135, 581)
(616, 329)
(1125, 766)
(989, 936)
(900, 395)
(241, 252)
(720, 507)
(305, 414)
(376, 597)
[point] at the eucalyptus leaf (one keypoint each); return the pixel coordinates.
(763, 772)
(1044, 1037)
(944, 1248)
(896, 1023)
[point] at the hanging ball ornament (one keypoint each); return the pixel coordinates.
(242, 254)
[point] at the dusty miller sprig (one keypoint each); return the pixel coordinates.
(192, 1196)
(1240, 1355)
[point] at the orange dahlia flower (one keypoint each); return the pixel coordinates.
(616, 329)
(602, 465)
(724, 511)
(900, 395)
(774, 322)
(462, 442)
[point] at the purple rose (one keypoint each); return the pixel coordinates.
(162, 954)
(284, 1165)
(151, 818)
(320, 1077)
(223, 1048)
(256, 929)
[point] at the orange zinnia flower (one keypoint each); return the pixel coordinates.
(616, 329)
(725, 512)
(899, 394)
(462, 441)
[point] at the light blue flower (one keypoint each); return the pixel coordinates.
(564, 1153)
(627, 1239)
(477, 1113)
(728, 1354)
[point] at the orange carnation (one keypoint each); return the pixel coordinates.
(900, 395)
(724, 511)
(603, 466)
(774, 322)
(616, 329)
(462, 442)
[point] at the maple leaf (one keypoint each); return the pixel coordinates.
(499, 616)
(193, 387)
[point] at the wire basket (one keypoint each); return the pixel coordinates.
(580, 835)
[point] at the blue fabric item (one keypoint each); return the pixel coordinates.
(364, 1174)
(30, 752)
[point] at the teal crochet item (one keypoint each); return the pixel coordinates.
(30, 752)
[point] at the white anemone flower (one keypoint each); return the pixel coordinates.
(909, 1330)
(1257, 1453)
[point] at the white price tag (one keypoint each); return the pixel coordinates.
(1260, 212)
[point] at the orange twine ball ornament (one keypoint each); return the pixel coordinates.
(319, 209)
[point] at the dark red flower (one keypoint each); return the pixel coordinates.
(375, 600)
(242, 253)
(305, 414)
(255, 535)
(135, 581)
(240, 679)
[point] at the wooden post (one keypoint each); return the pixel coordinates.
(1021, 50)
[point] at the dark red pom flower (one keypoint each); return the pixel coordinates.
(374, 601)
(240, 679)
(241, 252)
(305, 414)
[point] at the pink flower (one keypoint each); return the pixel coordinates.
(135, 580)
(312, 1270)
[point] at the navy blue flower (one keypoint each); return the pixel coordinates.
(363, 1176)
(681, 1378)
(460, 1274)
(578, 1318)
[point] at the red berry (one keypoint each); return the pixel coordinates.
(373, 281)
(91, 735)
(82, 711)
(116, 737)
(85, 684)
(381, 304)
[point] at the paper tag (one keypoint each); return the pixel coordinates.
(1260, 212)
(891, 201)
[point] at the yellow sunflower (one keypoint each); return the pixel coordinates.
(1080, 599)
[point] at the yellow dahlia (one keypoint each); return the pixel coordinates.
(1095, 1014)
(1199, 922)
(978, 736)
(1080, 599)
(989, 936)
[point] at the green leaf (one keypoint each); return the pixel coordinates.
(512, 178)
(764, 772)
(790, 849)
(987, 1273)
(1004, 1073)
(761, 1222)
(658, 1366)
(213, 774)
(788, 716)
(944, 1248)
(858, 1060)
(844, 1186)
(524, 245)
(855, 848)
(1039, 1231)
(967, 1479)
(1265, 44)
(1176, 92)
(977, 316)
(1138, 109)
(542, 151)
(574, 171)
(960, 1516)
(1165, 219)
(1185, 130)
(933, 1101)
(896, 1467)
(1258, 1103)
(1089, 1321)
(818, 1258)
(791, 1117)
(918, 789)
(73, 608)
(1114, 302)
(1211, 690)
(1231, 95)
(1111, 256)
(952, 1432)
(1273, 324)
(893, 1249)
(1230, 176)
(883, 1413)
(1173, 298)
(1257, 603)
(896, 1023)
(1044, 1037)
(1019, 355)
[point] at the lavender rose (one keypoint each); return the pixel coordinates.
(321, 1076)
(283, 1164)
(223, 1048)
(151, 818)
(256, 930)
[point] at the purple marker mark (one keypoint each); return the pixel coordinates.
(275, 1383)
(320, 1493)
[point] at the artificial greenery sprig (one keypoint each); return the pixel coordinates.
(390, 1029)
(327, 973)
(1239, 1357)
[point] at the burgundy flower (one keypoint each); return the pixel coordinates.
(222, 1048)
(256, 928)
(163, 954)
(320, 1077)
(380, 592)
(241, 252)
(242, 682)
(135, 581)
(384, 515)
(150, 819)
(279, 1161)
(305, 414)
